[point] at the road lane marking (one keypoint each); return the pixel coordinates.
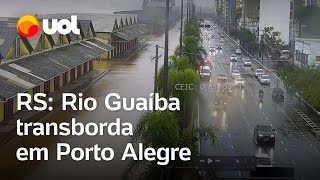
(232, 147)
(276, 132)
(229, 135)
(286, 149)
(281, 142)
(271, 125)
(267, 118)
(294, 163)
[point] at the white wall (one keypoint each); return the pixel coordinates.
(311, 47)
(276, 14)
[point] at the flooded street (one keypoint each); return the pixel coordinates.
(130, 79)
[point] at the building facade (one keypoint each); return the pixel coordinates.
(307, 52)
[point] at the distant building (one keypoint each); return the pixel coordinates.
(307, 52)
(258, 14)
(311, 2)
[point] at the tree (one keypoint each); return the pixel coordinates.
(247, 40)
(193, 48)
(303, 80)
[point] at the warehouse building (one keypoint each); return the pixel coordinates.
(44, 63)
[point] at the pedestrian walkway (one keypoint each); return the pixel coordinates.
(8, 128)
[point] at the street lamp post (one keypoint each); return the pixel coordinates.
(166, 54)
(181, 26)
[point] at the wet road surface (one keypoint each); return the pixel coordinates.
(130, 79)
(295, 144)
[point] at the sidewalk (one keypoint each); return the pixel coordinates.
(8, 128)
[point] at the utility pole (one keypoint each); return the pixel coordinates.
(181, 26)
(155, 77)
(188, 11)
(166, 54)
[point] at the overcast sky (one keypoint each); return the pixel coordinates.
(20, 7)
(17, 8)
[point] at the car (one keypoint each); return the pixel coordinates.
(222, 77)
(238, 52)
(205, 72)
(235, 73)
(212, 49)
(233, 58)
(221, 40)
(239, 81)
(213, 37)
(278, 94)
(246, 61)
(263, 160)
(219, 49)
(258, 72)
(264, 134)
(264, 79)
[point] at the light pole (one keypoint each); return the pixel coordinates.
(181, 26)
(166, 54)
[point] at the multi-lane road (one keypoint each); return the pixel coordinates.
(296, 145)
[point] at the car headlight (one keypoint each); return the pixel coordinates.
(260, 135)
(272, 135)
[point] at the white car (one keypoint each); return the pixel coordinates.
(205, 72)
(219, 49)
(258, 72)
(246, 61)
(238, 51)
(221, 40)
(222, 77)
(233, 58)
(239, 81)
(235, 74)
(264, 79)
(212, 49)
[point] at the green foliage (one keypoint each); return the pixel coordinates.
(192, 29)
(180, 63)
(193, 48)
(304, 80)
(186, 76)
(161, 129)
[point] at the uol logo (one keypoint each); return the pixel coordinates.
(28, 26)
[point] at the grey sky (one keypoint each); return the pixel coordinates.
(20, 7)
(17, 8)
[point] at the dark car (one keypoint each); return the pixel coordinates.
(264, 134)
(278, 94)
